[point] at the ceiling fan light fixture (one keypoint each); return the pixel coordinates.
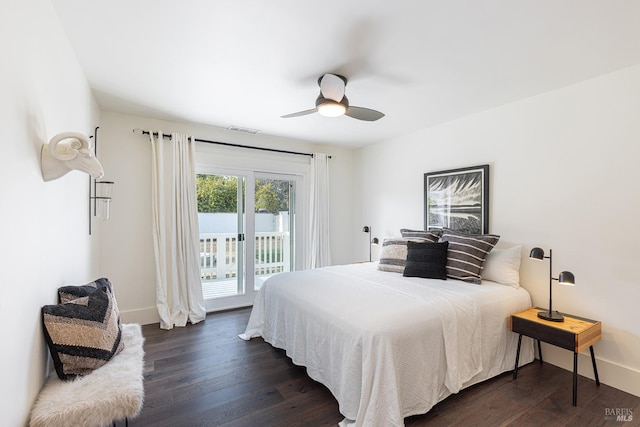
(331, 109)
(332, 102)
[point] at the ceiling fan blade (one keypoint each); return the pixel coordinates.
(362, 113)
(332, 87)
(300, 113)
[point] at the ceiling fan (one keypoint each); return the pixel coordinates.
(332, 101)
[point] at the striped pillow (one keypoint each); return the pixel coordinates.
(393, 255)
(69, 293)
(83, 333)
(430, 235)
(467, 253)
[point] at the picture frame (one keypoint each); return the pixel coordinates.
(457, 199)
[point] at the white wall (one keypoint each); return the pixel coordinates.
(127, 247)
(45, 240)
(564, 175)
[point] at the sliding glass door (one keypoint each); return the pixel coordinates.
(221, 217)
(275, 226)
(230, 277)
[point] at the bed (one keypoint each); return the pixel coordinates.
(385, 345)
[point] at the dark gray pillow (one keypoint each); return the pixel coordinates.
(428, 260)
(467, 253)
(430, 235)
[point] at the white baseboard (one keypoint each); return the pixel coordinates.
(609, 373)
(143, 316)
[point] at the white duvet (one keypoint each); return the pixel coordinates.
(385, 345)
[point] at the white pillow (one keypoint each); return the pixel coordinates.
(503, 266)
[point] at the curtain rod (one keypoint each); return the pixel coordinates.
(229, 144)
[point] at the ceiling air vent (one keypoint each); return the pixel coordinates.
(244, 130)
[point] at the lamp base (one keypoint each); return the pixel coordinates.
(552, 316)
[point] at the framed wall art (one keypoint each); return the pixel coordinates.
(457, 199)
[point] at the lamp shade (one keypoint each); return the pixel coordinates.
(567, 278)
(365, 229)
(375, 241)
(536, 253)
(329, 108)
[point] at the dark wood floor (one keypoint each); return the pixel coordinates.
(204, 375)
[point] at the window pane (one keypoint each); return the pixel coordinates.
(220, 200)
(274, 230)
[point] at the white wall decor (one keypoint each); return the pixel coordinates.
(69, 151)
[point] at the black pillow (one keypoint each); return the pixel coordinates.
(428, 260)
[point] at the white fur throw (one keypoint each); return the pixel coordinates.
(111, 392)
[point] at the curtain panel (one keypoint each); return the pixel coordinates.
(179, 296)
(319, 251)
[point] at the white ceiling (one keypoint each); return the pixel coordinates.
(246, 63)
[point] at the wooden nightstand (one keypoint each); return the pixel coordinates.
(575, 334)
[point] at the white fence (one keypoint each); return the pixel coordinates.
(219, 254)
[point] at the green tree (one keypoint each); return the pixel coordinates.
(266, 198)
(217, 193)
(277, 187)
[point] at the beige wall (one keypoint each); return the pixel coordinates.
(564, 175)
(127, 245)
(45, 240)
